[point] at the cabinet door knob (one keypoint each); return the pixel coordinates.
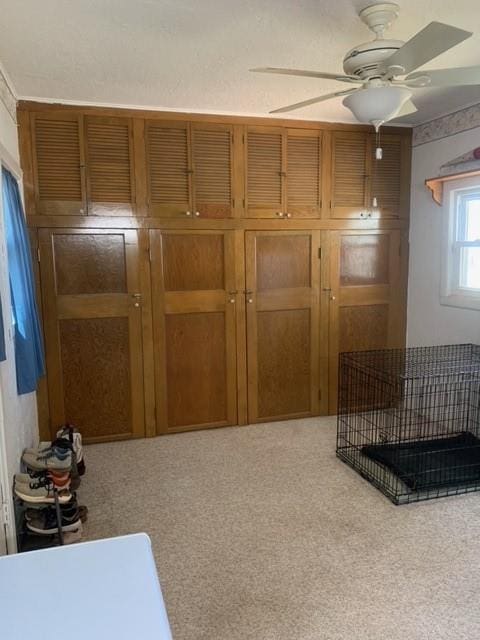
(288, 215)
(197, 213)
(250, 300)
(280, 214)
(188, 213)
(232, 300)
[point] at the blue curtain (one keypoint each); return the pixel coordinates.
(29, 358)
(3, 355)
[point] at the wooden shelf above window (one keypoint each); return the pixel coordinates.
(436, 184)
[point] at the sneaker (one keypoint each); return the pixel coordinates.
(40, 490)
(71, 433)
(70, 537)
(45, 523)
(52, 458)
(69, 510)
(83, 512)
(60, 482)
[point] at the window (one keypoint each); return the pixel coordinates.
(461, 272)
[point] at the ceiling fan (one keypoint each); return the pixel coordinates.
(383, 68)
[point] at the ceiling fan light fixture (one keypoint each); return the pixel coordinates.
(377, 105)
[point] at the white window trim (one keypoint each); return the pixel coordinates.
(450, 295)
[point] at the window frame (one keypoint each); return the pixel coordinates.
(456, 194)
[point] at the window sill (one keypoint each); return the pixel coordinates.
(462, 300)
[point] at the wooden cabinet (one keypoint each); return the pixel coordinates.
(83, 165)
(218, 227)
(194, 313)
(283, 324)
(367, 304)
(203, 318)
(363, 186)
(93, 331)
(112, 165)
(189, 169)
(283, 173)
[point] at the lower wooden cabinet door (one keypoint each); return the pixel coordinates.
(93, 331)
(283, 324)
(194, 316)
(367, 303)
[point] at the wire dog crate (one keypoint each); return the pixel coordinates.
(409, 420)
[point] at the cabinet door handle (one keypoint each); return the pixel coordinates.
(188, 213)
(288, 215)
(280, 214)
(250, 300)
(197, 214)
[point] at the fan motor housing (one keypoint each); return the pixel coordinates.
(363, 60)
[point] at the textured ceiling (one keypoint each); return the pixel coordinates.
(194, 55)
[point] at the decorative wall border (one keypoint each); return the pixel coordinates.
(7, 95)
(448, 125)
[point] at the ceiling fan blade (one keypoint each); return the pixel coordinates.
(407, 109)
(306, 103)
(307, 74)
(444, 77)
(427, 44)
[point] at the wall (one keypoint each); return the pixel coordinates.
(429, 322)
(20, 412)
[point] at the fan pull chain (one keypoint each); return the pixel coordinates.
(378, 156)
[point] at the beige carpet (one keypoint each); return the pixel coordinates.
(260, 533)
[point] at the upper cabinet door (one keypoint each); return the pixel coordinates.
(350, 159)
(169, 169)
(387, 177)
(58, 163)
(303, 173)
(212, 170)
(265, 172)
(109, 162)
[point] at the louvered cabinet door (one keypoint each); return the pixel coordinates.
(109, 166)
(350, 174)
(194, 314)
(367, 298)
(387, 177)
(92, 319)
(265, 171)
(303, 174)
(212, 170)
(169, 169)
(283, 324)
(58, 164)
